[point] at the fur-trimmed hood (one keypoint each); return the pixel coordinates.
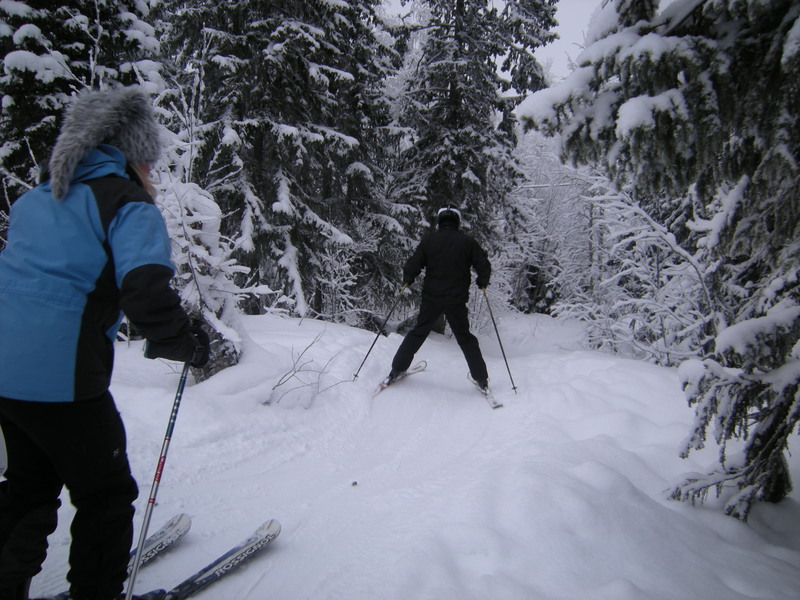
(121, 117)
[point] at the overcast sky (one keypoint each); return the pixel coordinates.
(573, 17)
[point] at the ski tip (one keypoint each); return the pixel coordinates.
(271, 527)
(182, 521)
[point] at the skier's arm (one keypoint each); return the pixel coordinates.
(414, 265)
(482, 266)
(155, 309)
(141, 249)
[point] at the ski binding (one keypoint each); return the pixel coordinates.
(486, 393)
(417, 368)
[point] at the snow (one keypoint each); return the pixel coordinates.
(723, 218)
(675, 12)
(46, 68)
(626, 41)
(140, 32)
(539, 106)
(423, 491)
(315, 71)
(26, 32)
(229, 63)
(284, 194)
(358, 167)
(230, 137)
(751, 332)
(652, 47)
(15, 9)
(604, 20)
(791, 47)
(639, 112)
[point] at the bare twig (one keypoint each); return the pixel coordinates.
(301, 367)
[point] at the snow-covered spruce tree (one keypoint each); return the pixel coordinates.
(48, 52)
(458, 107)
(699, 105)
(296, 116)
(211, 282)
(207, 273)
(409, 35)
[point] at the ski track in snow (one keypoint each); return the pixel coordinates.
(424, 492)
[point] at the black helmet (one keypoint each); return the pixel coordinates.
(448, 214)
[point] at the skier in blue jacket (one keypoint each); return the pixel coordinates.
(85, 246)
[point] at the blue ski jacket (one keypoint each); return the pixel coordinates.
(69, 270)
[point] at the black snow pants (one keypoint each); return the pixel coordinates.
(458, 318)
(80, 445)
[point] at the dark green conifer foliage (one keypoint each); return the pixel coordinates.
(48, 52)
(459, 107)
(295, 117)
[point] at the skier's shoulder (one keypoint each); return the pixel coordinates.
(465, 238)
(453, 238)
(450, 232)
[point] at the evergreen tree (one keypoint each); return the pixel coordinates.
(694, 113)
(212, 284)
(294, 115)
(50, 51)
(459, 107)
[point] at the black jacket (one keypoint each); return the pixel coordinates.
(447, 256)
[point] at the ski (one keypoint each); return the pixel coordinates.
(220, 567)
(417, 368)
(173, 530)
(486, 393)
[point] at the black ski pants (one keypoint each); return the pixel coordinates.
(80, 445)
(458, 318)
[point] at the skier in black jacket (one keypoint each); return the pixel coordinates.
(85, 245)
(448, 256)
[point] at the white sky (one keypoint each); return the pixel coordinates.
(573, 18)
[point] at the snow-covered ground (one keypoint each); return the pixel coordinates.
(423, 492)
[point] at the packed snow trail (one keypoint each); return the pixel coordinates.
(424, 491)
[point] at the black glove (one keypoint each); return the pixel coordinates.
(482, 285)
(202, 346)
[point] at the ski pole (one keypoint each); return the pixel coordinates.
(489, 305)
(386, 320)
(156, 481)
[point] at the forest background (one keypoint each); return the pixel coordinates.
(652, 193)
